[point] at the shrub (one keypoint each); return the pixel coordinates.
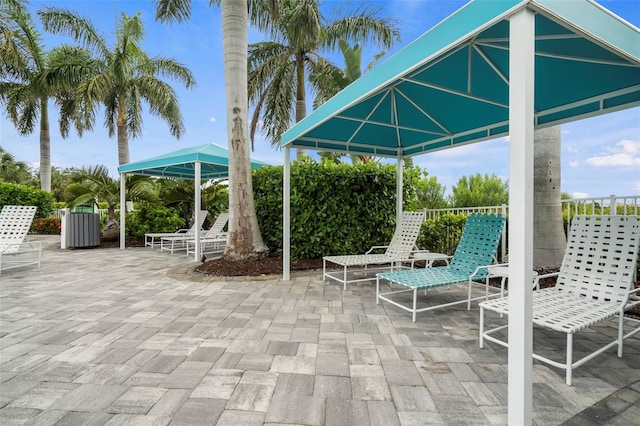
(146, 220)
(335, 208)
(442, 234)
(49, 226)
(20, 195)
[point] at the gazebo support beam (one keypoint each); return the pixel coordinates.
(286, 216)
(197, 187)
(521, 116)
(123, 204)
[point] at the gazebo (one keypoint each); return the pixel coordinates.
(196, 163)
(491, 69)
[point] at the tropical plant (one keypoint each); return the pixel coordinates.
(178, 194)
(30, 76)
(120, 77)
(337, 79)
(430, 192)
(12, 170)
(93, 184)
(245, 240)
(477, 190)
(278, 69)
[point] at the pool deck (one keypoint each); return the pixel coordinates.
(104, 336)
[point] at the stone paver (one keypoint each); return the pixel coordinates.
(129, 337)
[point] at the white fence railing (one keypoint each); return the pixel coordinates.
(623, 205)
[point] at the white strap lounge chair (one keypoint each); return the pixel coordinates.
(15, 252)
(475, 252)
(398, 251)
(174, 243)
(155, 238)
(593, 285)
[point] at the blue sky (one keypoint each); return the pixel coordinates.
(600, 156)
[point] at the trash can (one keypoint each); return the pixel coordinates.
(83, 230)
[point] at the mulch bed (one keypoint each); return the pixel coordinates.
(271, 264)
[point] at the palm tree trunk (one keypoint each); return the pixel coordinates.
(45, 147)
(245, 240)
(549, 240)
(123, 140)
(301, 103)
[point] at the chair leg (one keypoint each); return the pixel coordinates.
(469, 298)
(377, 290)
(415, 302)
(569, 365)
(345, 279)
(481, 327)
(620, 332)
(324, 270)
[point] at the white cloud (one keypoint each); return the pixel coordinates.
(573, 164)
(637, 188)
(212, 120)
(577, 195)
(625, 153)
(572, 149)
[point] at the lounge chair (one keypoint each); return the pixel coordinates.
(174, 243)
(475, 252)
(398, 251)
(594, 284)
(15, 251)
(155, 238)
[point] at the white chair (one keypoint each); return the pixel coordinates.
(216, 231)
(398, 251)
(155, 238)
(594, 284)
(15, 252)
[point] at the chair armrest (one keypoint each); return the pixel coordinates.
(375, 248)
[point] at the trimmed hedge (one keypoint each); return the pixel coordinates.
(146, 220)
(335, 208)
(20, 195)
(441, 235)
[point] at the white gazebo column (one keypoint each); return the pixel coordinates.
(286, 216)
(123, 204)
(521, 102)
(196, 212)
(399, 185)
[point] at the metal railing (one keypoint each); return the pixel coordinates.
(623, 205)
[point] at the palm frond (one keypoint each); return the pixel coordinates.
(172, 10)
(365, 27)
(66, 22)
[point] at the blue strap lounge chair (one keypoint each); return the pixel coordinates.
(475, 252)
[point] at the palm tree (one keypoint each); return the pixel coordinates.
(12, 170)
(337, 79)
(29, 77)
(93, 184)
(245, 240)
(277, 69)
(120, 77)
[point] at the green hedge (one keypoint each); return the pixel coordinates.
(441, 235)
(146, 220)
(20, 195)
(335, 208)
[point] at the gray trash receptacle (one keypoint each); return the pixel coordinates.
(84, 230)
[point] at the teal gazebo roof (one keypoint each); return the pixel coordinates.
(451, 85)
(180, 164)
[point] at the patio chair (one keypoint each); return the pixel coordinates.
(15, 251)
(174, 243)
(475, 252)
(398, 251)
(594, 284)
(155, 238)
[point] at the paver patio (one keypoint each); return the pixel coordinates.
(130, 337)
